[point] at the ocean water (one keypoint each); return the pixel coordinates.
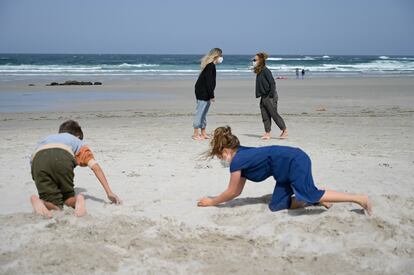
(14, 66)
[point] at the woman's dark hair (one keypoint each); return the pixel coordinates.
(72, 127)
(222, 138)
(261, 62)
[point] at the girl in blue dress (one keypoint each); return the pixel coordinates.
(290, 167)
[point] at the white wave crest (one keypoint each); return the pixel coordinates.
(275, 58)
(141, 65)
(306, 58)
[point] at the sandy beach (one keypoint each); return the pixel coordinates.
(358, 132)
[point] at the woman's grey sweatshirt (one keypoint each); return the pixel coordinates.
(265, 84)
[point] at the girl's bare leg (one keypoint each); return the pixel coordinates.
(41, 207)
(295, 204)
(334, 196)
(327, 205)
(300, 204)
(77, 202)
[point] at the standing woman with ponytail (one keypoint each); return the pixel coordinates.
(266, 90)
(204, 91)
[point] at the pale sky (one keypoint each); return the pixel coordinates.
(364, 27)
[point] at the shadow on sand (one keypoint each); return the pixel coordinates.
(247, 201)
(88, 197)
(259, 137)
(310, 210)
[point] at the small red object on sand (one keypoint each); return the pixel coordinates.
(281, 77)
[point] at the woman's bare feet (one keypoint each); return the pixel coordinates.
(284, 134)
(39, 207)
(197, 137)
(204, 134)
(80, 206)
(266, 136)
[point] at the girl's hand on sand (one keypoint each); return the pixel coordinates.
(114, 198)
(205, 202)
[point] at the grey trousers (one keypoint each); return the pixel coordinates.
(268, 108)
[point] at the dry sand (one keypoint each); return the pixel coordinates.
(362, 142)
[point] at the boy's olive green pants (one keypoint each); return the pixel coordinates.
(52, 171)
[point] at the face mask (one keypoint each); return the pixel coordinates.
(219, 60)
(224, 163)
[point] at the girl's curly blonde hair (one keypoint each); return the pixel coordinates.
(222, 139)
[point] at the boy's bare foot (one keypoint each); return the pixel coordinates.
(366, 204)
(39, 207)
(80, 206)
(205, 137)
(284, 134)
(266, 136)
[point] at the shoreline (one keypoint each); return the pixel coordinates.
(6, 79)
(233, 96)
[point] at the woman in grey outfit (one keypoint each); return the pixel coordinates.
(266, 90)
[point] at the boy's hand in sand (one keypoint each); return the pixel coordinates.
(206, 202)
(114, 198)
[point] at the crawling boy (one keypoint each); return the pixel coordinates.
(52, 166)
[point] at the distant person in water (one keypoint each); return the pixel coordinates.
(290, 167)
(303, 73)
(204, 91)
(297, 73)
(266, 90)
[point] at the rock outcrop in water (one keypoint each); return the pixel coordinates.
(74, 82)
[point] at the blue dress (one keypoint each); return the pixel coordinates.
(290, 167)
